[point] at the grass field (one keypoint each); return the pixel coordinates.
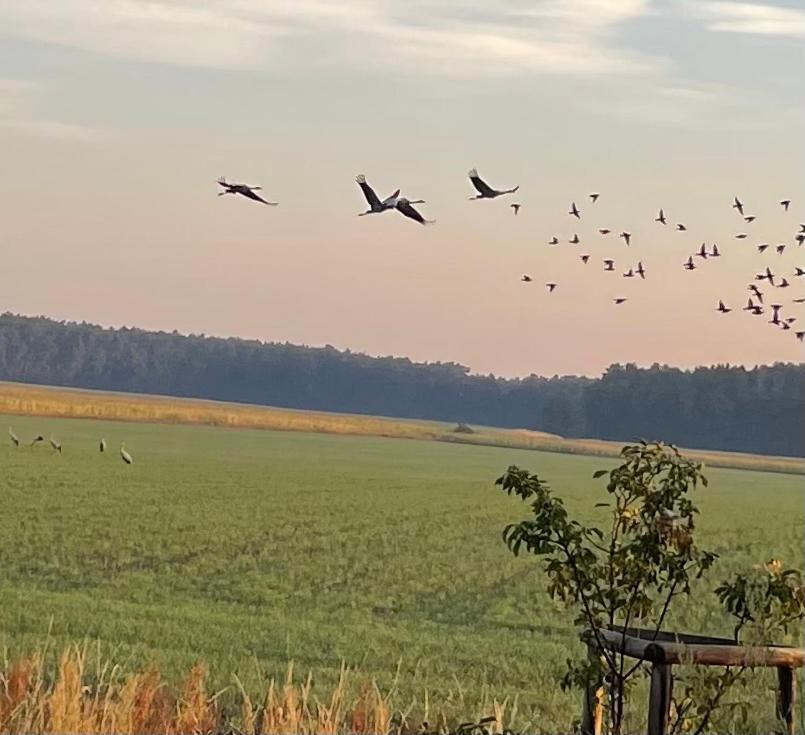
(249, 549)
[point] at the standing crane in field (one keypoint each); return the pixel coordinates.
(102, 446)
(243, 190)
(484, 190)
(37, 439)
(124, 455)
(15, 440)
(53, 443)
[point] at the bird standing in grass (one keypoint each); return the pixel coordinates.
(15, 440)
(37, 439)
(124, 455)
(55, 444)
(102, 446)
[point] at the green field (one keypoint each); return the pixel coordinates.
(250, 548)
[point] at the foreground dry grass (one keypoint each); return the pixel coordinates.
(73, 403)
(85, 694)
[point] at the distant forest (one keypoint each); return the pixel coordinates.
(760, 410)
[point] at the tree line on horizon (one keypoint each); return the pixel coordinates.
(724, 407)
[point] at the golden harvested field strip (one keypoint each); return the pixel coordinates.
(31, 400)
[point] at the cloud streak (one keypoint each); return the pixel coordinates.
(752, 18)
(562, 37)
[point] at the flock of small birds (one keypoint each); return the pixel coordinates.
(57, 447)
(757, 303)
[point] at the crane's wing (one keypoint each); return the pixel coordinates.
(391, 199)
(407, 209)
(368, 192)
(256, 197)
(480, 185)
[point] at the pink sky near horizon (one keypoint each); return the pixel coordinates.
(116, 220)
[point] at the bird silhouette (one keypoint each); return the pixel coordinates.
(722, 308)
(783, 284)
(124, 455)
(741, 236)
(750, 218)
(243, 190)
(551, 287)
(575, 240)
(585, 258)
(376, 205)
(37, 439)
(629, 273)
(574, 211)
(661, 218)
(553, 241)
(785, 204)
(604, 231)
(627, 236)
(526, 278)
(715, 252)
(681, 228)
(798, 301)
(780, 249)
(594, 196)
(800, 335)
(800, 239)
(405, 208)
(799, 272)
(640, 270)
(738, 204)
(763, 247)
(756, 291)
(690, 265)
(703, 252)
(515, 207)
(56, 446)
(619, 299)
(102, 446)
(484, 190)
(15, 440)
(609, 265)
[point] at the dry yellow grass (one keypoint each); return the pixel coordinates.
(102, 698)
(32, 400)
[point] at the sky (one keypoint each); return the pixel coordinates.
(118, 116)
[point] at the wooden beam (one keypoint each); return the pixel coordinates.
(659, 702)
(786, 697)
(592, 719)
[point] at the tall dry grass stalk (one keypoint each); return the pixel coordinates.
(76, 697)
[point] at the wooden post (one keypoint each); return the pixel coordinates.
(592, 719)
(786, 697)
(659, 703)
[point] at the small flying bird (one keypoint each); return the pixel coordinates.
(790, 320)
(526, 278)
(629, 273)
(515, 207)
(575, 240)
(715, 252)
(784, 283)
(627, 236)
(800, 335)
(375, 204)
(780, 248)
(609, 265)
(799, 272)
(404, 207)
(619, 299)
(798, 301)
(661, 218)
(762, 248)
(681, 228)
(243, 190)
(574, 211)
(594, 196)
(750, 218)
(722, 308)
(741, 236)
(767, 276)
(55, 444)
(785, 204)
(750, 306)
(703, 252)
(585, 258)
(802, 228)
(553, 241)
(785, 325)
(800, 239)
(776, 314)
(604, 231)
(690, 265)
(102, 446)
(484, 190)
(640, 270)
(37, 439)
(551, 287)
(756, 291)
(15, 440)
(738, 204)
(124, 455)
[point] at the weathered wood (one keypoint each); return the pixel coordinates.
(592, 719)
(786, 697)
(659, 703)
(668, 652)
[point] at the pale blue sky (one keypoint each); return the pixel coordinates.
(117, 116)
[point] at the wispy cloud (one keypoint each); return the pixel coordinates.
(16, 115)
(569, 37)
(754, 18)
